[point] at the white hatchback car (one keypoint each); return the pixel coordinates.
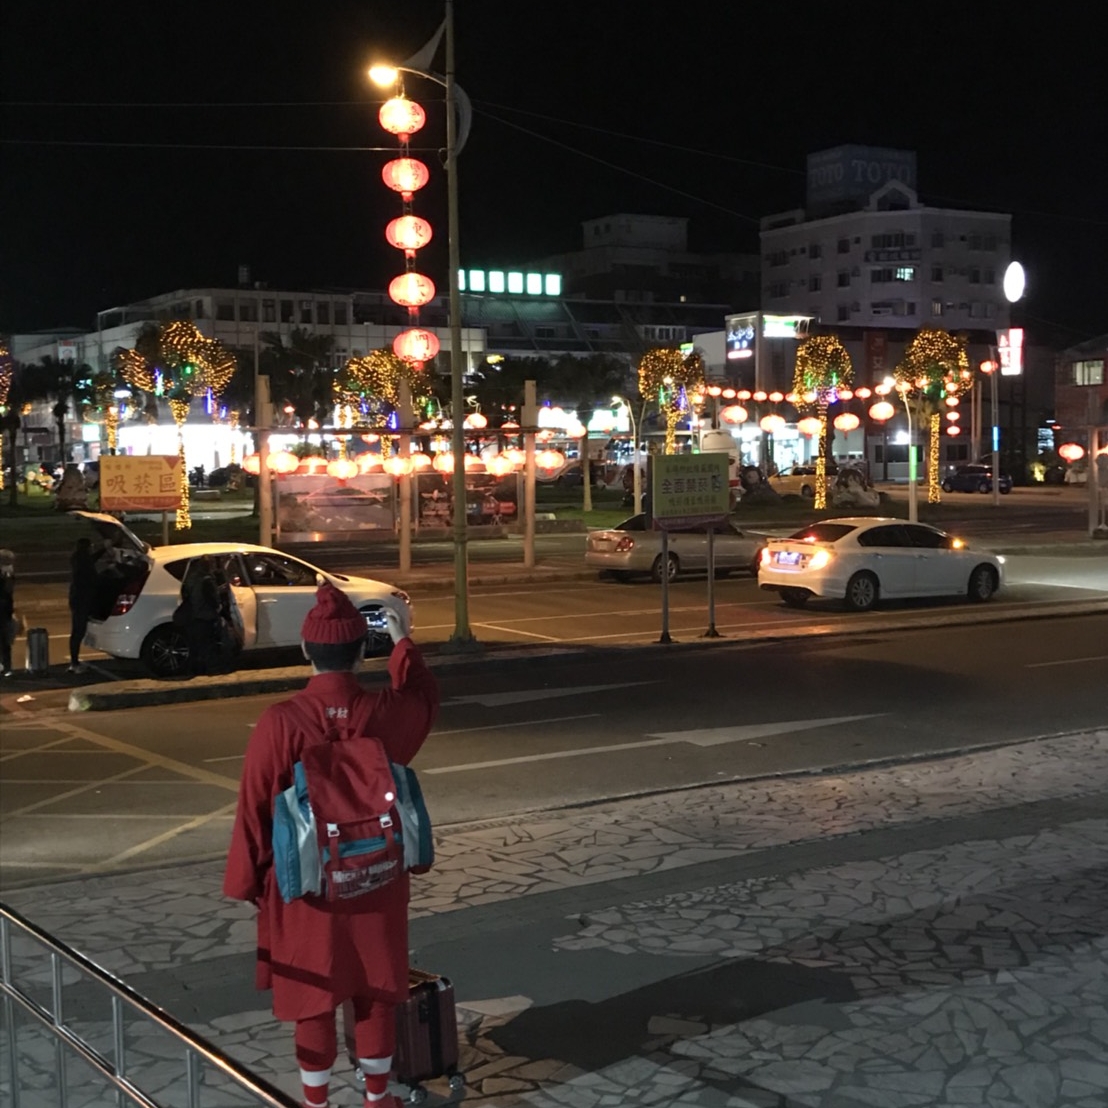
(133, 613)
(863, 559)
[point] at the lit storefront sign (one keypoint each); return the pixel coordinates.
(1009, 348)
(511, 282)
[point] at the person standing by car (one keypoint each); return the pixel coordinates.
(203, 620)
(313, 957)
(83, 582)
(7, 610)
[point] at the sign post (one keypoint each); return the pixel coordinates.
(688, 490)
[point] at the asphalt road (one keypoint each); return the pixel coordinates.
(524, 733)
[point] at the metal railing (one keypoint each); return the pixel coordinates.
(199, 1059)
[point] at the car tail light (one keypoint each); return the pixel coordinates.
(765, 556)
(125, 601)
(819, 559)
(624, 545)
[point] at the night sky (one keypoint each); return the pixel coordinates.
(169, 143)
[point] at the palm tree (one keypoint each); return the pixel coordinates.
(67, 384)
(935, 364)
(13, 396)
(822, 365)
(300, 373)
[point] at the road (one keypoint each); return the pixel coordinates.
(531, 732)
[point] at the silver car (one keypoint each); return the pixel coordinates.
(632, 547)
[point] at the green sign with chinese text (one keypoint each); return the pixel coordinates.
(689, 490)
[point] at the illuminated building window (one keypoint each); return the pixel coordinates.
(476, 280)
(534, 284)
(552, 283)
(936, 308)
(497, 283)
(1089, 372)
(905, 272)
(515, 283)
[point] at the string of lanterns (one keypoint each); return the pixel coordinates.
(408, 233)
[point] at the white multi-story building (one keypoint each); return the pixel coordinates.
(866, 253)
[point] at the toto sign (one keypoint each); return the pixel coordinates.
(853, 173)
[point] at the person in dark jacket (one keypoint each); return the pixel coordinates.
(203, 617)
(7, 610)
(83, 581)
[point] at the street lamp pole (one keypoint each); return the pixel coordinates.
(636, 474)
(462, 636)
(457, 106)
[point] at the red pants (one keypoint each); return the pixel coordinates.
(374, 1034)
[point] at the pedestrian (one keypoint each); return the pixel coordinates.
(312, 956)
(83, 584)
(7, 610)
(203, 622)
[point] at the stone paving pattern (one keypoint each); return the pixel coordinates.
(972, 973)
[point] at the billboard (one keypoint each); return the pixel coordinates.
(852, 173)
(1009, 348)
(140, 482)
(739, 340)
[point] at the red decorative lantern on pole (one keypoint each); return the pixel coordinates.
(411, 290)
(401, 117)
(408, 233)
(416, 345)
(405, 176)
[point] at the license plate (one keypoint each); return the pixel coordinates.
(787, 558)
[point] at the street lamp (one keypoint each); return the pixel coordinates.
(903, 388)
(458, 116)
(637, 477)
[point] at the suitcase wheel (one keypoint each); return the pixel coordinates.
(417, 1094)
(457, 1082)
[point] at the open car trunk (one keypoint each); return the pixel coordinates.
(122, 563)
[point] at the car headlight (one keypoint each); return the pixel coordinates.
(401, 595)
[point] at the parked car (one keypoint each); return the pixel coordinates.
(632, 547)
(800, 480)
(133, 612)
(862, 560)
(975, 478)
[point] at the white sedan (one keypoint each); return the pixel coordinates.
(632, 547)
(862, 560)
(132, 615)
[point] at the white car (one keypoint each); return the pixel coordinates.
(862, 560)
(133, 613)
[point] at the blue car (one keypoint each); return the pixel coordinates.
(975, 478)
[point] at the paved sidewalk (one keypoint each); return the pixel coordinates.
(933, 933)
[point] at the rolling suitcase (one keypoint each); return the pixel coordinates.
(426, 1035)
(38, 652)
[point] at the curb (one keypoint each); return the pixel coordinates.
(147, 693)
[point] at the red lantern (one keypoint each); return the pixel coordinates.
(846, 422)
(416, 346)
(1071, 451)
(953, 429)
(283, 462)
(882, 411)
(411, 290)
(401, 116)
(343, 469)
(408, 233)
(809, 426)
(252, 464)
(771, 424)
(733, 413)
(405, 175)
(550, 460)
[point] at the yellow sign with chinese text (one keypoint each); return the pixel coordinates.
(689, 490)
(140, 482)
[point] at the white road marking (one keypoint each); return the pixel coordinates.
(518, 723)
(1066, 662)
(708, 737)
(518, 631)
(524, 696)
(715, 736)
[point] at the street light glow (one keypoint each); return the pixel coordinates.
(385, 76)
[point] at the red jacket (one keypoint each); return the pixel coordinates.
(311, 957)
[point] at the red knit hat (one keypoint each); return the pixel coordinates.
(333, 619)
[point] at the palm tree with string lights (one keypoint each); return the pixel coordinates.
(823, 366)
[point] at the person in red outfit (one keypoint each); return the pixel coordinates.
(313, 956)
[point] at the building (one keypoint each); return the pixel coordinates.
(865, 252)
(1081, 392)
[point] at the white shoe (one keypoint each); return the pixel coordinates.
(78, 668)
